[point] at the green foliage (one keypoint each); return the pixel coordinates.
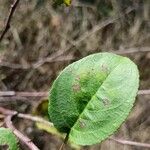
(7, 138)
(41, 109)
(59, 2)
(92, 97)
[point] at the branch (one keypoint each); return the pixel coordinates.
(10, 99)
(11, 12)
(132, 50)
(24, 139)
(24, 95)
(5, 111)
(132, 143)
(55, 57)
(65, 142)
(144, 92)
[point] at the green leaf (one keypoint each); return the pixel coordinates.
(7, 138)
(92, 97)
(67, 2)
(41, 109)
(59, 2)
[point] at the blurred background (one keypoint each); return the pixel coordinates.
(43, 40)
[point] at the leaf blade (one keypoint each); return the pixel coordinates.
(8, 138)
(105, 127)
(88, 82)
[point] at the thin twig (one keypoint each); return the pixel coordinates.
(24, 139)
(144, 92)
(44, 94)
(13, 65)
(52, 58)
(5, 111)
(7, 25)
(6, 99)
(65, 142)
(132, 50)
(132, 143)
(100, 26)
(23, 94)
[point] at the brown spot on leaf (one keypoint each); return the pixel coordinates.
(106, 102)
(76, 87)
(104, 68)
(77, 78)
(82, 124)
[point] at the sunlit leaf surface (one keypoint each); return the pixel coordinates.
(93, 96)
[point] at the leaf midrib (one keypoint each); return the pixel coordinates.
(95, 93)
